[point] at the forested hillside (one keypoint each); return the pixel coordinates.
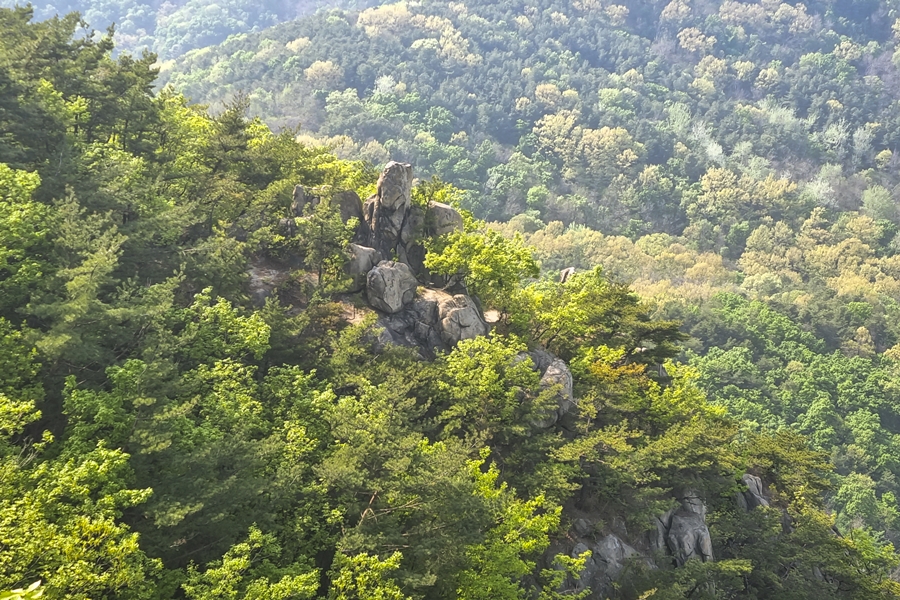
(223, 375)
(734, 162)
(172, 27)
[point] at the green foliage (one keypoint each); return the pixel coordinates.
(489, 264)
(166, 433)
(588, 311)
(363, 576)
(32, 592)
(496, 566)
(246, 572)
(23, 223)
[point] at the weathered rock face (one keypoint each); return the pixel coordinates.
(683, 531)
(390, 286)
(395, 186)
(433, 322)
(417, 327)
(410, 249)
(460, 320)
(443, 219)
(386, 211)
(608, 557)
(680, 534)
(754, 496)
(413, 226)
(361, 260)
(396, 227)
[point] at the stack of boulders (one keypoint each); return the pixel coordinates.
(386, 260)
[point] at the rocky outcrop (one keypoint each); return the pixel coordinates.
(460, 320)
(386, 211)
(349, 205)
(433, 322)
(300, 200)
(397, 227)
(442, 219)
(415, 327)
(558, 377)
(360, 260)
(390, 286)
(682, 533)
(754, 496)
(410, 249)
(609, 556)
(676, 537)
(387, 259)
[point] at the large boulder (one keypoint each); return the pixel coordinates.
(754, 496)
(417, 326)
(390, 286)
(349, 207)
(608, 558)
(687, 535)
(413, 226)
(555, 376)
(386, 212)
(612, 553)
(443, 218)
(360, 260)
(460, 320)
(395, 186)
(410, 249)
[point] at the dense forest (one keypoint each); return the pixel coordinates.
(732, 161)
(172, 27)
(211, 385)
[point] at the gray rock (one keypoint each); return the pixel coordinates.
(361, 260)
(579, 549)
(688, 536)
(368, 210)
(608, 558)
(390, 286)
(443, 219)
(414, 256)
(414, 226)
(754, 496)
(287, 227)
(395, 186)
(559, 376)
(657, 535)
(416, 326)
(541, 359)
(588, 574)
(386, 212)
(612, 553)
(460, 320)
(583, 527)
